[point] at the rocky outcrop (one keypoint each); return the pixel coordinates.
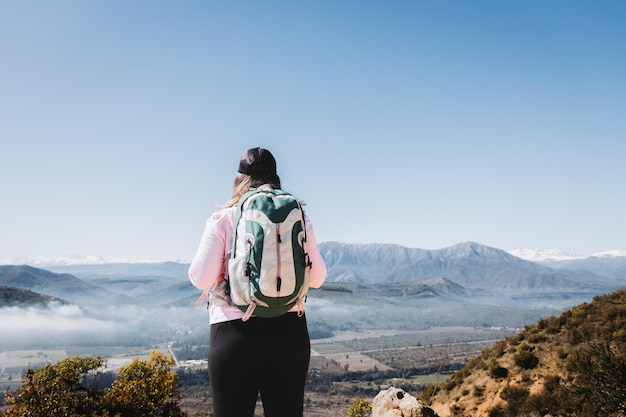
(395, 402)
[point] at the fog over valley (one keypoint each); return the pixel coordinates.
(377, 286)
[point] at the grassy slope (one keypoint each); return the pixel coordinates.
(506, 371)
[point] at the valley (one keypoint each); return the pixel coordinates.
(342, 366)
(386, 316)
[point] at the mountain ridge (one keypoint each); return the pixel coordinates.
(59, 285)
(473, 267)
(468, 264)
(530, 254)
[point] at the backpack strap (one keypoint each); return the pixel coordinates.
(300, 306)
(238, 213)
(249, 311)
(203, 296)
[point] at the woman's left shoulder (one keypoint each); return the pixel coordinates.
(222, 218)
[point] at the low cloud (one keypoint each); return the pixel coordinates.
(16, 322)
(69, 325)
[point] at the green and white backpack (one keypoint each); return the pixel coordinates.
(268, 269)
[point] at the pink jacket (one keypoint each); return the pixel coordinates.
(207, 267)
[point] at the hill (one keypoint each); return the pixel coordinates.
(15, 297)
(65, 286)
(568, 365)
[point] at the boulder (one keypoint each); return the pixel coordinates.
(395, 402)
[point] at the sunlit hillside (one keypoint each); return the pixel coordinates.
(568, 365)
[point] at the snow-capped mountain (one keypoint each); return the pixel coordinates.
(611, 264)
(542, 255)
(610, 254)
(556, 255)
(40, 261)
(534, 255)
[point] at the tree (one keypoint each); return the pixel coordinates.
(601, 378)
(70, 389)
(145, 389)
(56, 390)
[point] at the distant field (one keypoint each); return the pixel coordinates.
(383, 350)
(17, 360)
(14, 362)
(112, 351)
(30, 358)
(431, 379)
(365, 334)
(356, 362)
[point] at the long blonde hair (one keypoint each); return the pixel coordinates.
(243, 183)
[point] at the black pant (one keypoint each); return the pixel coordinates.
(270, 356)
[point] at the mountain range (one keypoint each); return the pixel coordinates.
(466, 268)
(469, 264)
(534, 255)
(369, 286)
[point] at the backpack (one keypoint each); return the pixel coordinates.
(268, 269)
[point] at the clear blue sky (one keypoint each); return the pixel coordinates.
(421, 123)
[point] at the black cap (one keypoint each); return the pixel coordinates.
(257, 162)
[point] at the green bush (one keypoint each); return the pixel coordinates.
(496, 371)
(515, 398)
(526, 360)
(600, 371)
(497, 411)
(479, 391)
(360, 408)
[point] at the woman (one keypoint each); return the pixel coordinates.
(266, 356)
